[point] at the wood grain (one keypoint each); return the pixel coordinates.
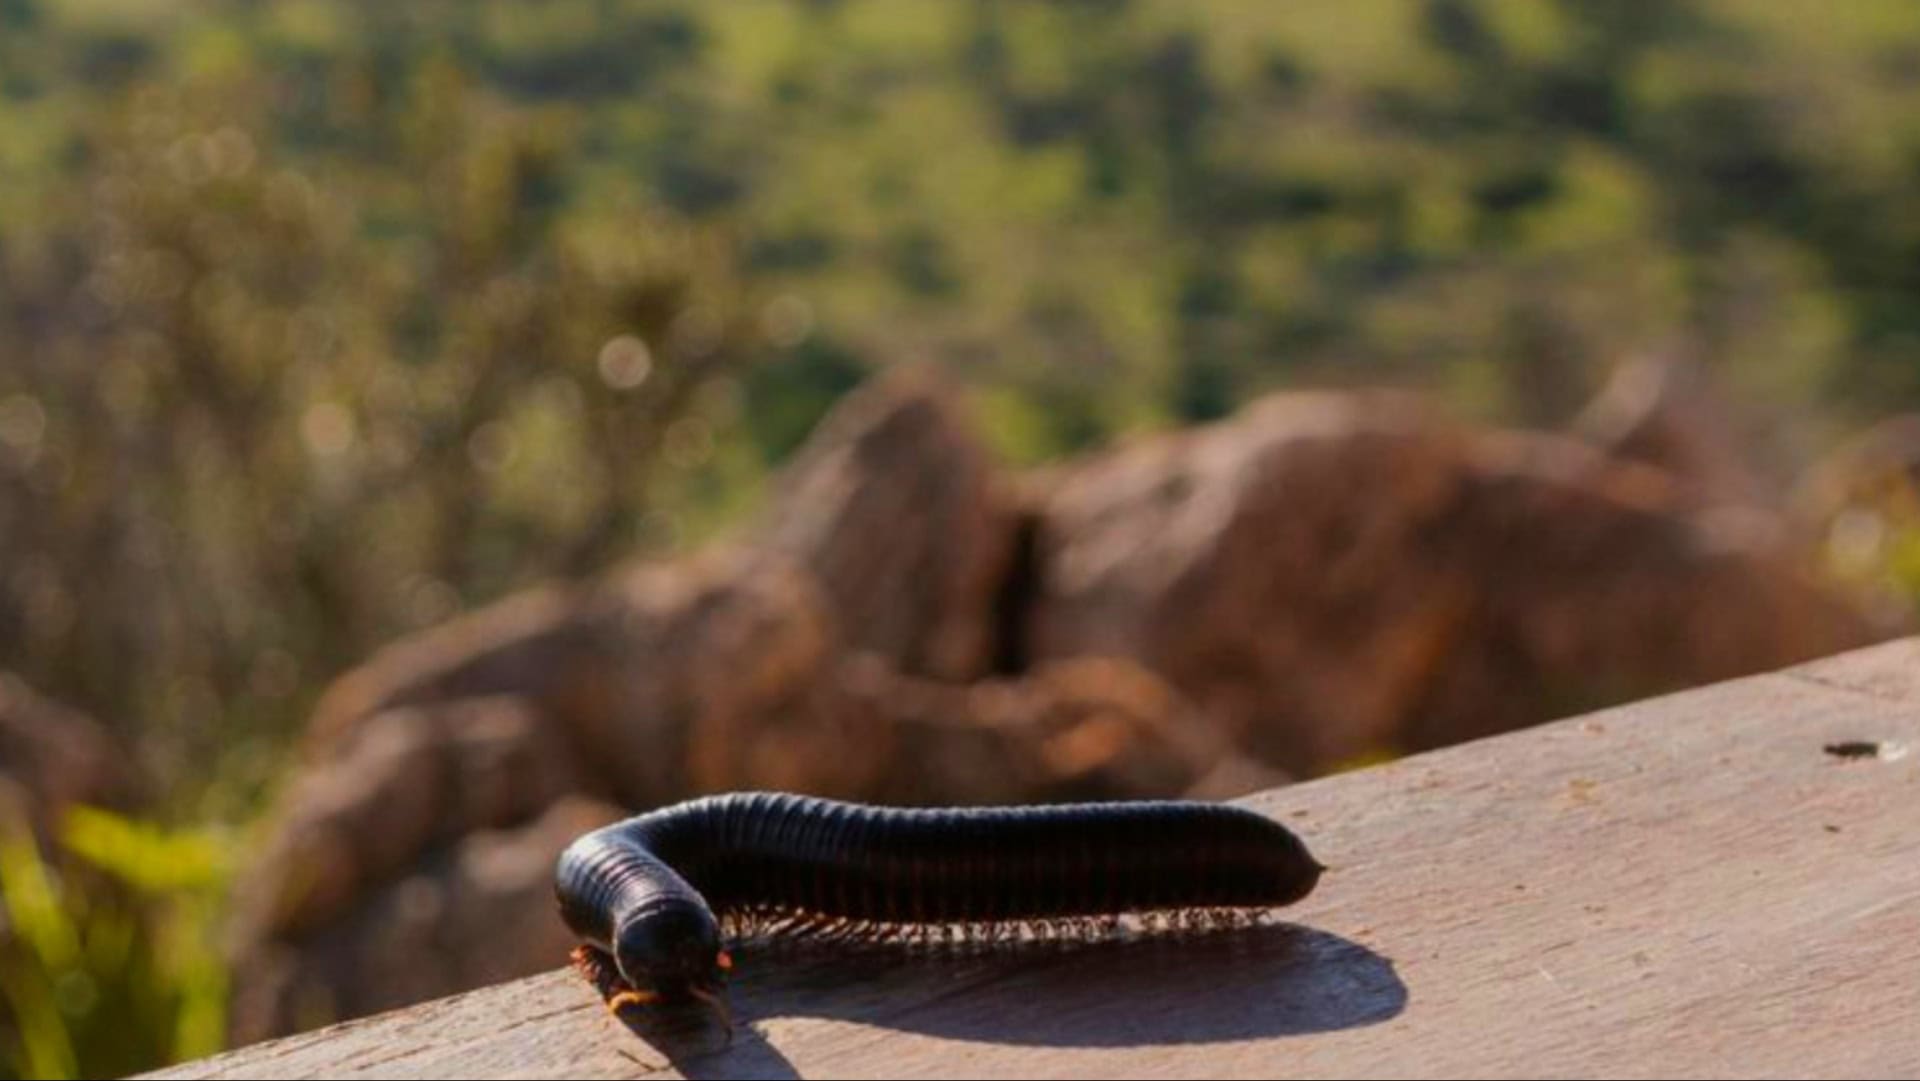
(1689, 886)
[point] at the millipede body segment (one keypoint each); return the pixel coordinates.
(654, 896)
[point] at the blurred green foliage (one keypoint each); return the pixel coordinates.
(321, 319)
(110, 960)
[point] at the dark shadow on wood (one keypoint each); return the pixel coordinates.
(1254, 983)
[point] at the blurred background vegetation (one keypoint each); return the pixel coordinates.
(323, 319)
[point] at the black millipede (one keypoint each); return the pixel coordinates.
(653, 897)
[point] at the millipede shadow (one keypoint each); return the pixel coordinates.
(1250, 983)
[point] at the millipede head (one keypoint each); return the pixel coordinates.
(673, 951)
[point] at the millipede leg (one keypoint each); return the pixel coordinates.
(599, 970)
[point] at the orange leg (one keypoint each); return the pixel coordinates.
(600, 971)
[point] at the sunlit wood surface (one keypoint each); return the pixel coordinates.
(1689, 886)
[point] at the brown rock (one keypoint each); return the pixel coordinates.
(634, 675)
(1669, 412)
(894, 507)
(1333, 574)
(476, 911)
(411, 778)
(1270, 567)
(1089, 728)
(1600, 583)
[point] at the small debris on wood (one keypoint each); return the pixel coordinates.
(1861, 748)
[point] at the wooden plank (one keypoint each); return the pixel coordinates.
(1689, 886)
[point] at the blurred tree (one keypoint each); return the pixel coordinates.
(255, 424)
